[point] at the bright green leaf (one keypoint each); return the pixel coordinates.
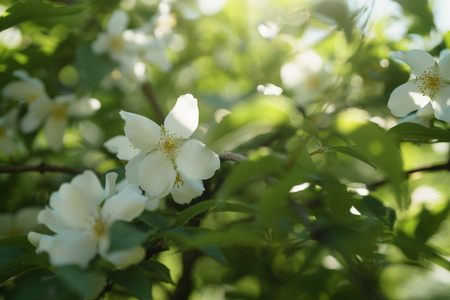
(419, 133)
(28, 11)
(192, 211)
(350, 151)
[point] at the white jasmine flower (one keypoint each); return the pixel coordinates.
(429, 86)
(26, 89)
(168, 161)
(11, 38)
(305, 76)
(129, 47)
(81, 213)
(7, 124)
(55, 113)
(22, 222)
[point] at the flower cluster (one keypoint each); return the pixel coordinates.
(41, 109)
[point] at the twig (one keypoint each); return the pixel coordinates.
(440, 167)
(148, 91)
(224, 156)
(42, 168)
(105, 290)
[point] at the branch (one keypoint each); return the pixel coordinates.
(440, 167)
(42, 168)
(224, 156)
(148, 91)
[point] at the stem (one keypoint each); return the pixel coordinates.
(318, 151)
(441, 167)
(224, 156)
(148, 91)
(42, 168)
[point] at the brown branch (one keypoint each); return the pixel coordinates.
(42, 168)
(148, 91)
(224, 156)
(435, 168)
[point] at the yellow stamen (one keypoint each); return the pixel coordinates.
(429, 82)
(99, 229)
(31, 98)
(168, 143)
(177, 182)
(118, 44)
(59, 112)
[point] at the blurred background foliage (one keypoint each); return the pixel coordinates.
(284, 224)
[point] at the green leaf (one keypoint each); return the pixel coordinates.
(9, 254)
(93, 68)
(192, 211)
(17, 241)
(414, 131)
(311, 129)
(27, 11)
(125, 236)
(236, 207)
(134, 280)
(430, 221)
(154, 220)
(351, 152)
(83, 282)
(156, 270)
(380, 149)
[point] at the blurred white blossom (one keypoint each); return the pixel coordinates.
(21, 222)
(55, 114)
(305, 76)
(81, 222)
(26, 89)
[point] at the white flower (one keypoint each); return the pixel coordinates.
(22, 222)
(168, 161)
(305, 76)
(26, 89)
(81, 223)
(129, 47)
(7, 124)
(423, 116)
(430, 85)
(55, 114)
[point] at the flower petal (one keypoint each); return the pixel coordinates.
(426, 113)
(418, 60)
(142, 132)
(157, 174)
(113, 144)
(196, 160)
(133, 168)
(75, 206)
(35, 238)
(441, 103)
(407, 98)
(110, 185)
(101, 44)
(52, 219)
(123, 258)
(37, 112)
(125, 206)
(152, 203)
(28, 89)
(444, 68)
(117, 22)
(84, 107)
(69, 247)
(54, 132)
(183, 118)
(88, 181)
(190, 189)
